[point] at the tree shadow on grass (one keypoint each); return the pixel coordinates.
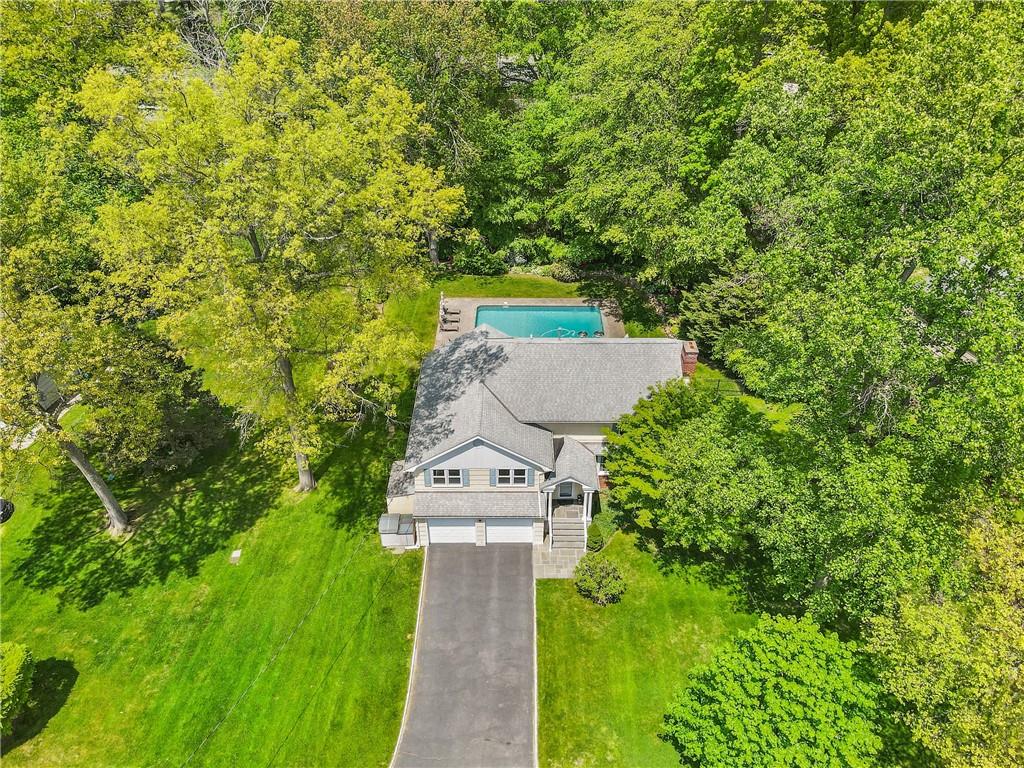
(355, 473)
(746, 577)
(51, 686)
(634, 304)
(178, 521)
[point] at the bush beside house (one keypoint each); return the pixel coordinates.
(598, 579)
(595, 537)
(16, 668)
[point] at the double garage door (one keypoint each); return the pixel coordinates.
(460, 530)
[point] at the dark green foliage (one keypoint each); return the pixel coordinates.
(16, 667)
(598, 579)
(474, 259)
(595, 537)
(782, 693)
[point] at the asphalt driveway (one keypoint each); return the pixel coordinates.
(472, 695)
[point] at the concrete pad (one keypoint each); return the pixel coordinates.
(472, 697)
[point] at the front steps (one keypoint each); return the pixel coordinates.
(567, 533)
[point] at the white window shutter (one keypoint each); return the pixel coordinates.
(494, 477)
(428, 479)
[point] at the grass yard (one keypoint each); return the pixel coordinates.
(712, 380)
(606, 675)
(157, 649)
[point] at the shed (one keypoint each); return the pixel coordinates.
(396, 530)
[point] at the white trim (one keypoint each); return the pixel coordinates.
(446, 480)
(415, 653)
(485, 441)
(511, 477)
(568, 479)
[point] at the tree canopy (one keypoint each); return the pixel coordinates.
(782, 693)
(277, 209)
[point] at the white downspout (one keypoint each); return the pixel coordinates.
(551, 530)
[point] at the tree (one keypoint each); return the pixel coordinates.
(782, 693)
(16, 668)
(125, 382)
(952, 656)
(444, 54)
(277, 210)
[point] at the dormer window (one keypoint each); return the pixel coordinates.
(511, 477)
(446, 477)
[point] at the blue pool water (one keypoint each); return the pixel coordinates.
(549, 322)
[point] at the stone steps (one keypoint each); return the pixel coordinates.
(567, 542)
(567, 525)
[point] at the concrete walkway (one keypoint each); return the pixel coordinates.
(472, 696)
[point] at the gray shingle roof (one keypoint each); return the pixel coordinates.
(400, 482)
(450, 414)
(469, 504)
(529, 381)
(574, 460)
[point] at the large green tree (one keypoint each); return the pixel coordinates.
(57, 341)
(276, 208)
(126, 382)
(782, 693)
(953, 654)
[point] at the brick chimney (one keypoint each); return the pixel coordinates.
(689, 357)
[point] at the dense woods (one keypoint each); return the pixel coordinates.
(205, 206)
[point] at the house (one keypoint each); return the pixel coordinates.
(507, 434)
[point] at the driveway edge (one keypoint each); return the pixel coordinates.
(416, 649)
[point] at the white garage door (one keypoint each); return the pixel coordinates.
(514, 530)
(452, 530)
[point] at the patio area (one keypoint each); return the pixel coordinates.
(555, 563)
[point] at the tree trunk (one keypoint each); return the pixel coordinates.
(432, 246)
(117, 520)
(307, 481)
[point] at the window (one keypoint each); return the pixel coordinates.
(511, 477)
(446, 477)
(565, 491)
(600, 465)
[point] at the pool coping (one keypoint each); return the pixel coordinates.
(611, 316)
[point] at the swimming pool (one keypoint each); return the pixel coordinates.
(548, 322)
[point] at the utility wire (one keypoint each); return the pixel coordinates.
(330, 667)
(277, 651)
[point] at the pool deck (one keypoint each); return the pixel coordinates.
(611, 316)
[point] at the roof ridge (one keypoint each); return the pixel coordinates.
(502, 404)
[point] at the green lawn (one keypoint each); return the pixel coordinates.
(712, 380)
(157, 648)
(606, 675)
(302, 650)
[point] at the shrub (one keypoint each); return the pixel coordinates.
(563, 273)
(16, 667)
(598, 579)
(595, 538)
(474, 259)
(782, 693)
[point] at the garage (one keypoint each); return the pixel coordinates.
(513, 530)
(452, 530)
